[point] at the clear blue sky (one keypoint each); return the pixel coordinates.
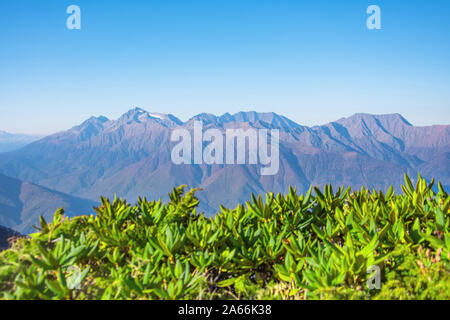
(312, 60)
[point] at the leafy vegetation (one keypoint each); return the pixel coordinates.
(314, 246)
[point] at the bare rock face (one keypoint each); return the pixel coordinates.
(130, 157)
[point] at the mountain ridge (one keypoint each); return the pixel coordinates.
(11, 142)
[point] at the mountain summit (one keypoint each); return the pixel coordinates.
(256, 119)
(138, 115)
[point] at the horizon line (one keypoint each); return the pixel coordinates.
(42, 135)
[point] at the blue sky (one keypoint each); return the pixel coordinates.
(313, 61)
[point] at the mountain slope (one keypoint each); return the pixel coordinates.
(5, 234)
(130, 156)
(21, 204)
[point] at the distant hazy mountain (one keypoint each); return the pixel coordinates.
(10, 142)
(21, 204)
(131, 156)
(5, 234)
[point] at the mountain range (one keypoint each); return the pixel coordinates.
(10, 142)
(131, 157)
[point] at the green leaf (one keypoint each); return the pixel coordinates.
(408, 184)
(227, 282)
(370, 248)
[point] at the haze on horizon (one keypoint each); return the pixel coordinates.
(311, 61)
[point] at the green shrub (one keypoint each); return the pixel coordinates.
(314, 246)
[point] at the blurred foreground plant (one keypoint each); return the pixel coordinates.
(313, 246)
